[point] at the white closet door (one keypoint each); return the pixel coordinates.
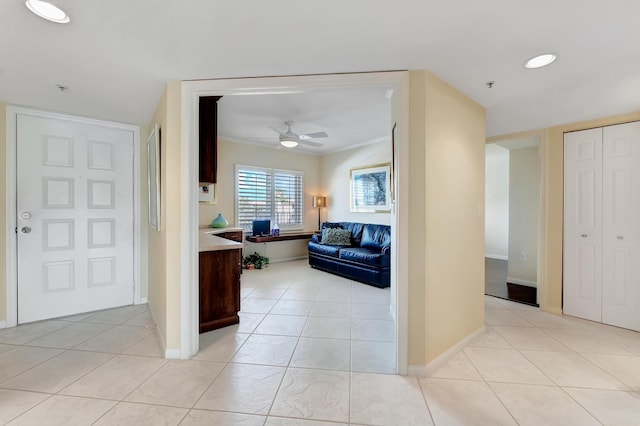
(582, 269)
(621, 226)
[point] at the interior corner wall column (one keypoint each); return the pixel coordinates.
(448, 138)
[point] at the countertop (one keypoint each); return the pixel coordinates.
(208, 241)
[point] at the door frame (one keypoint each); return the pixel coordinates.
(12, 113)
(191, 91)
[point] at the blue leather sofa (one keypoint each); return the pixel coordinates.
(367, 259)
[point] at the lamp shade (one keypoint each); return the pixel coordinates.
(319, 201)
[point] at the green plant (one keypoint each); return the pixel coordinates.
(255, 259)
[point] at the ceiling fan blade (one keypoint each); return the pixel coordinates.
(311, 143)
(314, 135)
(276, 130)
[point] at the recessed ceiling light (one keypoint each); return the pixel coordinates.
(48, 11)
(540, 60)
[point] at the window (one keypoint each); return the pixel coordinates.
(269, 194)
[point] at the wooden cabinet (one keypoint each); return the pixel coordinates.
(219, 288)
(208, 133)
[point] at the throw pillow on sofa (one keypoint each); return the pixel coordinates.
(336, 237)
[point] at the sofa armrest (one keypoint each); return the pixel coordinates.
(386, 250)
(316, 238)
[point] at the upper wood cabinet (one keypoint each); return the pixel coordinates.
(208, 139)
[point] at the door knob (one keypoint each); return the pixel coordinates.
(25, 229)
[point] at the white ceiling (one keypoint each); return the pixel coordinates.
(351, 118)
(116, 56)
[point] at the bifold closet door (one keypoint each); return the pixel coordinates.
(582, 258)
(621, 226)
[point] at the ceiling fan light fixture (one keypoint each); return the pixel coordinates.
(540, 61)
(48, 11)
(288, 142)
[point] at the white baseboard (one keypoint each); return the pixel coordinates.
(173, 354)
(3, 324)
(522, 282)
(144, 300)
(288, 259)
(417, 371)
(496, 256)
(443, 358)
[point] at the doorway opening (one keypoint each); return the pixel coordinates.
(192, 91)
(512, 219)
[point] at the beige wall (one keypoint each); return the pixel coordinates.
(232, 153)
(417, 223)
(164, 245)
(3, 211)
(334, 174)
(550, 293)
(524, 215)
(447, 137)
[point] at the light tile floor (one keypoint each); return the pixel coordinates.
(281, 366)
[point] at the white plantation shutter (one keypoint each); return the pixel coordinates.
(288, 197)
(254, 196)
(263, 193)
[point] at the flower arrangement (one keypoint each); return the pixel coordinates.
(255, 261)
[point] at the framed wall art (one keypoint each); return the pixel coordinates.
(371, 189)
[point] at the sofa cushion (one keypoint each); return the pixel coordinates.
(363, 255)
(323, 249)
(356, 231)
(336, 237)
(375, 236)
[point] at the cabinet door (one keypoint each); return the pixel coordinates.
(582, 257)
(219, 289)
(621, 226)
(208, 133)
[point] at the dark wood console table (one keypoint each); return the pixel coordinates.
(281, 237)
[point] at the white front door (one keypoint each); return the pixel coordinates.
(74, 217)
(621, 226)
(582, 260)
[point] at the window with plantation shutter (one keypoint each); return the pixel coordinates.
(272, 194)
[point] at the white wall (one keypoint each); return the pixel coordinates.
(334, 175)
(524, 208)
(496, 202)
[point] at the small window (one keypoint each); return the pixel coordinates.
(272, 194)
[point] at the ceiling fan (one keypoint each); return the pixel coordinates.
(289, 139)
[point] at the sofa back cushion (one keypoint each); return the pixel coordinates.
(375, 236)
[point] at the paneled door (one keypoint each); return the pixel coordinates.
(75, 217)
(582, 269)
(621, 226)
